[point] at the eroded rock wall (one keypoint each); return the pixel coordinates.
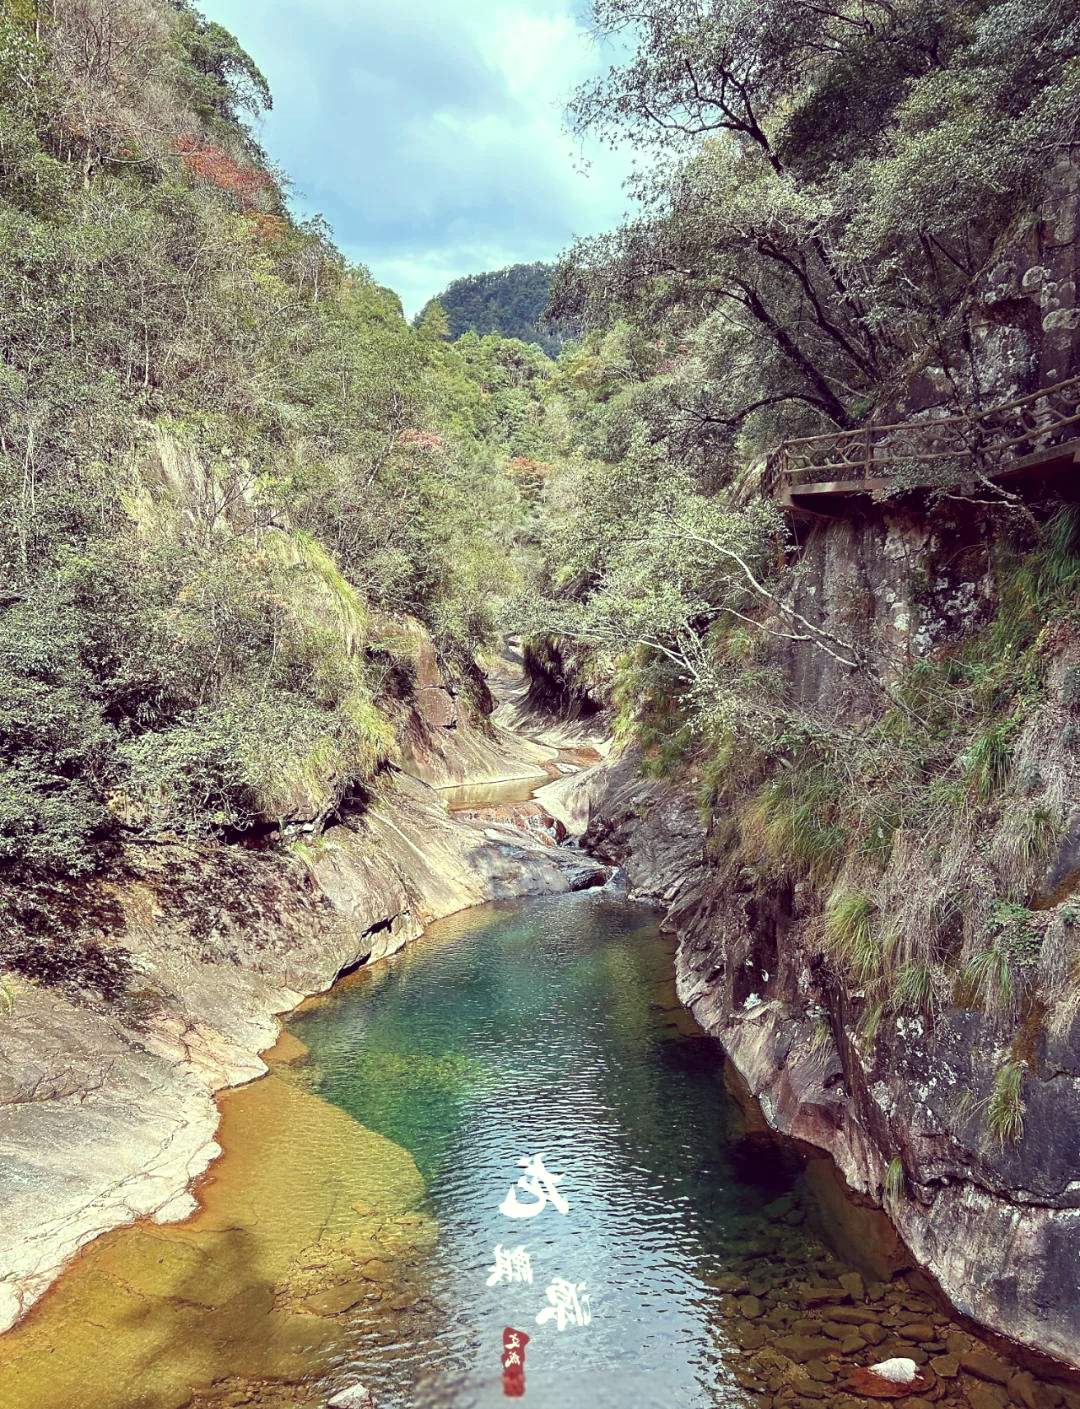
(996, 1223)
(164, 987)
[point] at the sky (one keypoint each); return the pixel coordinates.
(429, 133)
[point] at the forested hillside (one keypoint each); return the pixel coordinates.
(228, 464)
(511, 302)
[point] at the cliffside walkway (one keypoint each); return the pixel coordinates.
(1036, 436)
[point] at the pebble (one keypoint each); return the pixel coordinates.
(356, 1396)
(376, 1270)
(854, 1285)
(985, 1367)
(851, 1315)
(982, 1394)
(818, 1370)
(918, 1331)
(804, 1348)
(948, 1367)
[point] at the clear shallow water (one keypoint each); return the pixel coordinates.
(549, 1028)
(466, 795)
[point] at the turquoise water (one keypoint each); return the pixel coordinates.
(550, 1028)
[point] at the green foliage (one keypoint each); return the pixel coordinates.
(989, 760)
(224, 456)
(510, 302)
(1005, 1109)
(914, 988)
(831, 182)
(895, 1183)
(850, 932)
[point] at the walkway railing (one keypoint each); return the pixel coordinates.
(988, 441)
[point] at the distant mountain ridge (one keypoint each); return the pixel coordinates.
(508, 301)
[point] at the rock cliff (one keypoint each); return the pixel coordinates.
(901, 1103)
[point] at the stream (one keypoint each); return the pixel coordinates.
(550, 1029)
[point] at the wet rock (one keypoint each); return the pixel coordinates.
(985, 1367)
(355, 1396)
(983, 1394)
(872, 1333)
(750, 1307)
(804, 1348)
(821, 1296)
(779, 1208)
(1022, 1390)
(850, 1315)
(729, 1282)
(818, 1370)
(852, 1345)
(956, 1343)
(854, 1285)
(402, 1301)
(746, 1380)
(331, 1301)
(895, 1349)
(948, 1367)
(835, 1329)
(376, 1270)
(920, 1331)
(810, 1390)
(749, 1337)
(729, 1306)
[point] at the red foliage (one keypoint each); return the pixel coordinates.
(421, 440)
(211, 164)
(270, 227)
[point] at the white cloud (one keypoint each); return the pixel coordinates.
(431, 135)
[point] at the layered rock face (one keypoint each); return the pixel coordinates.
(164, 986)
(903, 1114)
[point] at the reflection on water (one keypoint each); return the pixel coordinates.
(549, 1029)
(491, 794)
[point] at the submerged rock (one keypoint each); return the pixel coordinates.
(356, 1396)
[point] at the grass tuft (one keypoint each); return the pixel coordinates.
(849, 932)
(1005, 1111)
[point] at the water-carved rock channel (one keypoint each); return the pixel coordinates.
(353, 1231)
